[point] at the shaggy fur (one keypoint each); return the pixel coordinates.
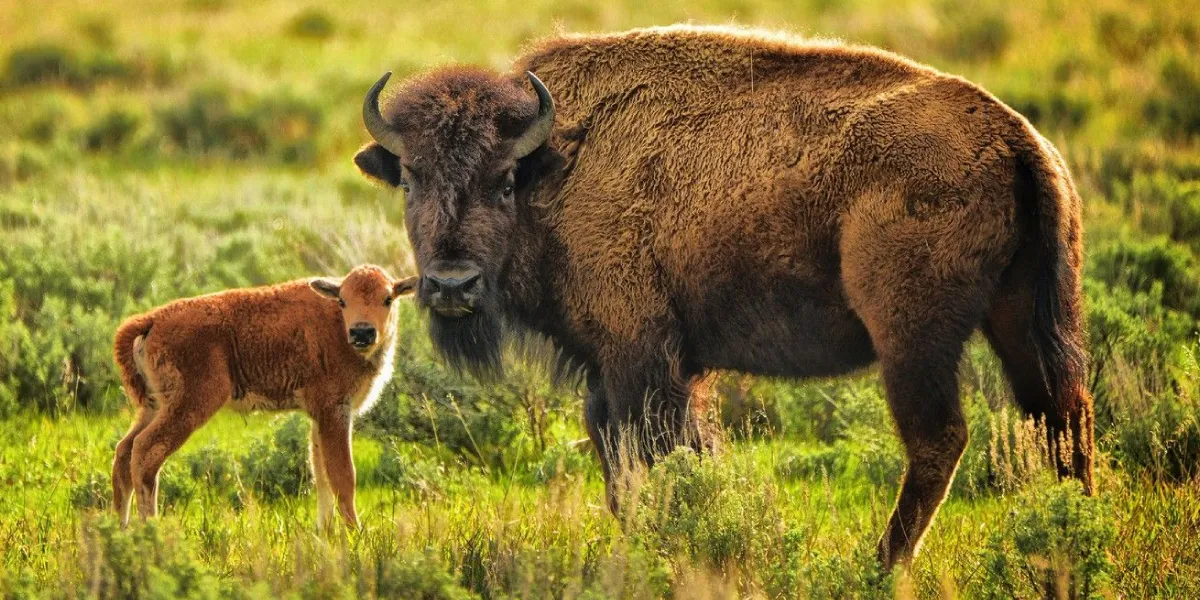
(716, 198)
(282, 347)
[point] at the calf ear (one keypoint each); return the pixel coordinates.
(326, 287)
(405, 287)
(377, 163)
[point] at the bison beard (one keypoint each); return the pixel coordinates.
(471, 343)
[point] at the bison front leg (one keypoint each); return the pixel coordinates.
(595, 414)
(636, 417)
(333, 431)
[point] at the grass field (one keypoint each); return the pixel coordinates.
(153, 150)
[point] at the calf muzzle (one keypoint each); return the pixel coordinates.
(362, 335)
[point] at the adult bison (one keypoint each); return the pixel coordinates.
(710, 198)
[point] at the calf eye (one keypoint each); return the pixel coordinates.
(341, 303)
(404, 185)
(387, 301)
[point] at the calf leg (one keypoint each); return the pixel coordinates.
(333, 431)
(321, 482)
(172, 425)
(122, 470)
(195, 394)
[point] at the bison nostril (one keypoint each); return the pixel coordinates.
(452, 284)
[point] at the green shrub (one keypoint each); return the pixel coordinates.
(43, 63)
(1185, 214)
(93, 490)
(20, 162)
(312, 23)
(1141, 266)
(1124, 38)
(1175, 108)
(854, 574)
(211, 465)
(480, 423)
(47, 63)
(99, 31)
(562, 460)
(212, 120)
(407, 468)
(1132, 330)
(864, 455)
(276, 465)
(143, 561)
(417, 575)
(1053, 543)
(974, 35)
(1160, 436)
(1048, 107)
(111, 131)
(708, 511)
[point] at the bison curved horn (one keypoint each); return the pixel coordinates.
(539, 131)
(376, 126)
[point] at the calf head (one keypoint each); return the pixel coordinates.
(457, 141)
(366, 296)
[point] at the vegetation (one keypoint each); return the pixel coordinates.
(150, 151)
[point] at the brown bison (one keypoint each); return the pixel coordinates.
(322, 346)
(677, 200)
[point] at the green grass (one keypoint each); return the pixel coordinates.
(153, 150)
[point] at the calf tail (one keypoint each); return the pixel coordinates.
(125, 346)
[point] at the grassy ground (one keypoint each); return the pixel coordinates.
(155, 150)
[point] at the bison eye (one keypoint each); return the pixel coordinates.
(387, 301)
(404, 185)
(341, 303)
(508, 191)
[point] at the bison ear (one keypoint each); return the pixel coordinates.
(405, 287)
(377, 163)
(326, 287)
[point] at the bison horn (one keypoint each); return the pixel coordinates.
(539, 131)
(376, 126)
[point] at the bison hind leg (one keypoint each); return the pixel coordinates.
(921, 294)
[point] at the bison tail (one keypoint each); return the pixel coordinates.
(124, 351)
(1058, 328)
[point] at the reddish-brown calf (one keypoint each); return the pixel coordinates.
(318, 345)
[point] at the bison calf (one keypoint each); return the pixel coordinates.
(318, 345)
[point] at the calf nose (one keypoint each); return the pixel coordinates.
(362, 336)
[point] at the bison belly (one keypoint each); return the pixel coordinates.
(785, 329)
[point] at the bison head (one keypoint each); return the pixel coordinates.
(457, 141)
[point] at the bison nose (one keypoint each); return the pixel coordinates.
(452, 289)
(361, 335)
(453, 284)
